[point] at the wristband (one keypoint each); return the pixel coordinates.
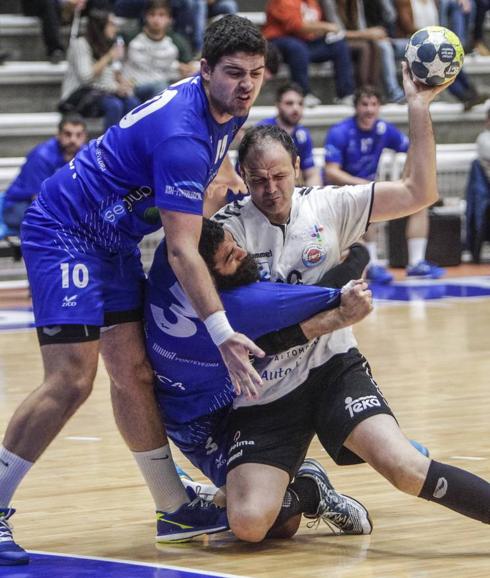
(218, 327)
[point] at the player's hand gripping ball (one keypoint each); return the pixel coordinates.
(434, 55)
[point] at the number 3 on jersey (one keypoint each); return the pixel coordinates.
(79, 275)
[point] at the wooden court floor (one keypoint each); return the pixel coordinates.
(431, 359)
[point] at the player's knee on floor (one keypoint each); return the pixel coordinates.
(250, 523)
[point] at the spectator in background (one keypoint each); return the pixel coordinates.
(302, 35)
(482, 7)
(353, 148)
(289, 103)
(354, 15)
(49, 12)
(191, 16)
(416, 14)
(42, 162)
(94, 85)
(154, 60)
(455, 15)
(478, 195)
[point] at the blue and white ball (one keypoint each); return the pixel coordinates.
(435, 55)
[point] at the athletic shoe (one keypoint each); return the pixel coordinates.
(10, 553)
(203, 491)
(379, 274)
(342, 512)
(425, 270)
(310, 100)
(193, 519)
(422, 449)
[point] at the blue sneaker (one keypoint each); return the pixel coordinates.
(425, 270)
(379, 274)
(10, 553)
(203, 491)
(193, 519)
(422, 449)
(343, 512)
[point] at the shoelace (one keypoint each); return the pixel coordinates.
(202, 503)
(5, 531)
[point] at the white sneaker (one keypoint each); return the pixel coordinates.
(345, 100)
(310, 100)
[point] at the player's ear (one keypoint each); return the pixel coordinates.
(205, 70)
(296, 169)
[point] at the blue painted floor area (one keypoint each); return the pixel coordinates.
(16, 318)
(60, 566)
(427, 290)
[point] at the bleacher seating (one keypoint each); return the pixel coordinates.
(30, 89)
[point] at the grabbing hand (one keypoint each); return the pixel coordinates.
(235, 353)
(356, 301)
(416, 91)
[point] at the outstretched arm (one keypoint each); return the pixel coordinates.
(418, 186)
(182, 233)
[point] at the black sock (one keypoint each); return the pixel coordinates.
(301, 497)
(458, 490)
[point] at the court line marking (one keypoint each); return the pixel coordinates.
(136, 563)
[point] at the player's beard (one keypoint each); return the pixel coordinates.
(246, 273)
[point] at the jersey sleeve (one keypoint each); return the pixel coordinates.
(335, 142)
(229, 217)
(305, 149)
(261, 308)
(397, 140)
(181, 171)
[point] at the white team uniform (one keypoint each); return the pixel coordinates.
(324, 221)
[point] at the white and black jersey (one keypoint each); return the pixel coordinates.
(324, 222)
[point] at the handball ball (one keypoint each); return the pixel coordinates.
(434, 55)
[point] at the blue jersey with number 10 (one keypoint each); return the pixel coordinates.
(191, 378)
(162, 154)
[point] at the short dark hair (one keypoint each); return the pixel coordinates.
(258, 134)
(289, 86)
(366, 90)
(212, 235)
(273, 58)
(71, 118)
(151, 5)
(230, 34)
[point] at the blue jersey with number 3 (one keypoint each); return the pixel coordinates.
(191, 378)
(162, 154)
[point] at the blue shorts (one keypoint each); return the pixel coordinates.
(204, 442)
(73, 281)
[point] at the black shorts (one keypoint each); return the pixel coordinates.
(330, 403)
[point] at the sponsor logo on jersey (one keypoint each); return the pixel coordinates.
(316, 231)
(125, 205)
(359, 404)
(313, 255)
(69, 301)
(262, 255)
(176, 191)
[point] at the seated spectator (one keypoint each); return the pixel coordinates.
(289, 103)
(482, 7)
(43, 160)
(49, 12)
(94, 85)
(478, 196)
(153, 59)
(302, 35)
(365, 24)
(191, 17)
(416, 14)
(353, 148)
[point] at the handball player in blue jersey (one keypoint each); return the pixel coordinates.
(80, 245)
(192, 385)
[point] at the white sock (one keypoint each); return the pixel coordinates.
(204, 491)
(12, 471)
(158, 469)
(416, 250)
(372, 248)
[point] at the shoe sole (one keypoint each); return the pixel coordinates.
(187, 536)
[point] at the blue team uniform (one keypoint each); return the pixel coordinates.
(358, 151)
(302, 139)
(80, 236)
(192, 383)
(42, 161)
